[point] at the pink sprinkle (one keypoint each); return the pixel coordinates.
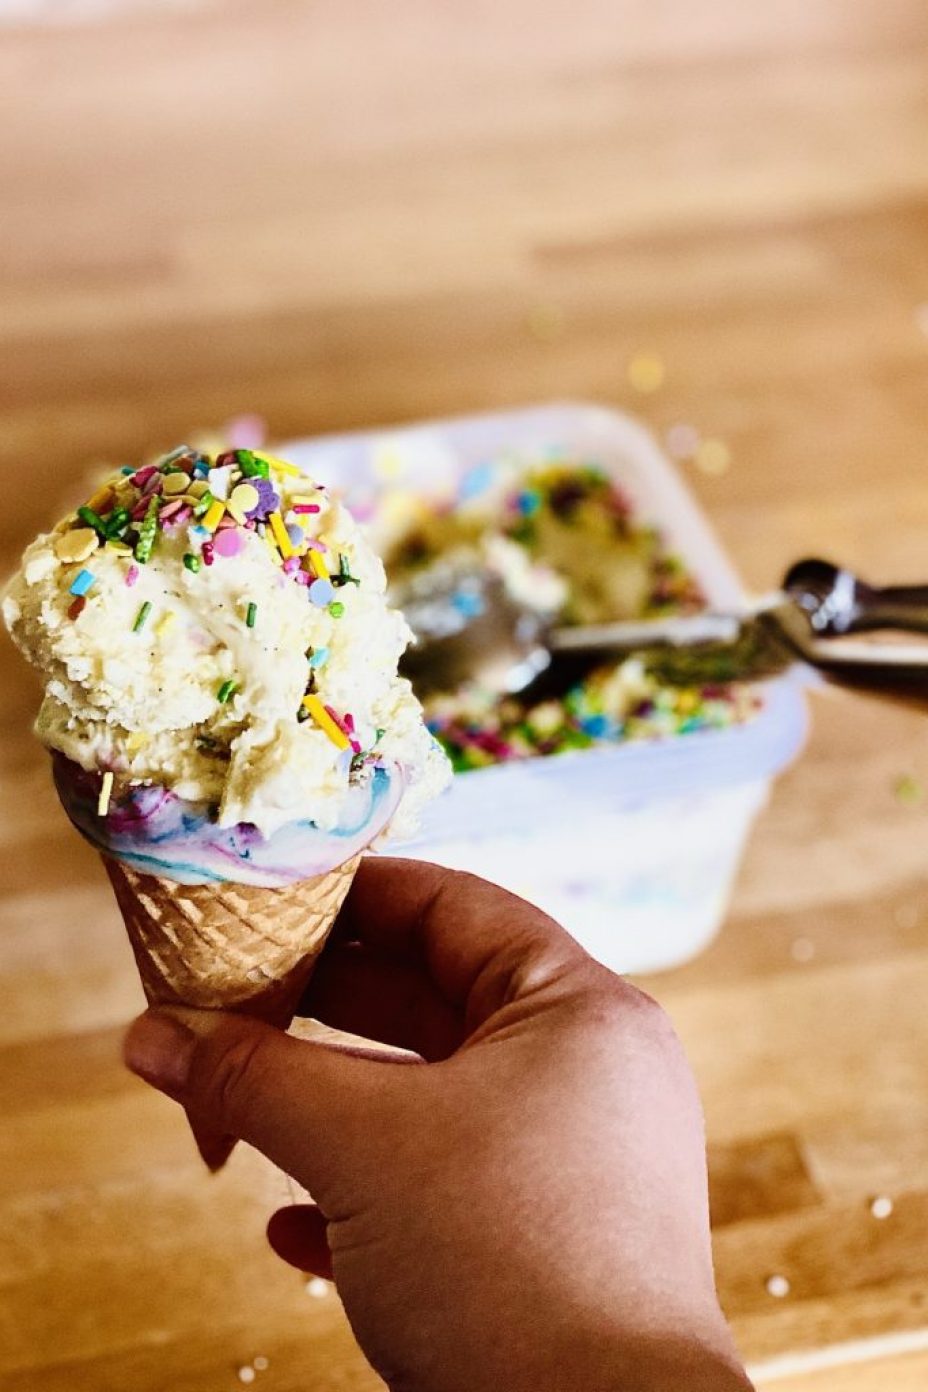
(291, 564)
(306, 507)
(349, 722)
(228, 542)
(301, 577)
(207, 553)
(153, 484)
(132, 574)
(225, 523)
(141, 476)
(246, 432)
(170, 510)
(355, 746)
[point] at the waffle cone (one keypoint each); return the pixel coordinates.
(228, 946)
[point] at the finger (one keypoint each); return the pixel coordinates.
(464, 930)
(371, 993)
(298, 1236)
(310, 1106)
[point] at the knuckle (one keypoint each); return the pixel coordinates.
(233, 1071)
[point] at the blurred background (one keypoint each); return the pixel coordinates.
(342, 213)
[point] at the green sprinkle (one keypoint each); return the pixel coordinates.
(147, 532)
(204, 505)
(141, 617)
(251, 615)
(251, 467)
(908, 790)
(117, 522)
(226, 691)
(379, 734)
(336, 608)
(344, 576)
(192, 562)
(93, 519)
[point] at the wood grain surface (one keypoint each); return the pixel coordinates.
(340, 215)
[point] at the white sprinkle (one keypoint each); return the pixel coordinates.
(317, 1288)
(802, 950)
(260, 1364)
(881, 1207)
(778, 1287)
(106, 792)
(246, 1374)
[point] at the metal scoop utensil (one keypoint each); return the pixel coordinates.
(471, 629)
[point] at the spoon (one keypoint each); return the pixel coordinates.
(470, 628)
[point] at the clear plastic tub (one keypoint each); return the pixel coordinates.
(634, 846)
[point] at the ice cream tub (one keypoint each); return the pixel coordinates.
(633, 845)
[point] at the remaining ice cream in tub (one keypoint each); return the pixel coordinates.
(225, 714)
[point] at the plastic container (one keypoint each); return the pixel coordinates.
(634, 847)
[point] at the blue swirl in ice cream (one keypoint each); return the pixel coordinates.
(157, 833)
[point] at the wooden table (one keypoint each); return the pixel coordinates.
(338, 215)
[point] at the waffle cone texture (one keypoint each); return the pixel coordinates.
(228, 946)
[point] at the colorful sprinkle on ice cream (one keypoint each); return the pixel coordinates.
(217, 627)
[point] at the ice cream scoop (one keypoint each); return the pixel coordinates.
(471, 627)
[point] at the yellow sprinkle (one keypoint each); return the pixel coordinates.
(646, 372)
(175, 483)
(213, 515)
(280, 465)
(318, 566)
(166, 624)
(102, 500)
(280, 535)
(325, 722)
(272, 547)
(76, 546)
(304, 500)
(119, 547)
(198, 488)
(106, 792)
(712, 457)
(388, 463)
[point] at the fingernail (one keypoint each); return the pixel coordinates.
(160, 1049)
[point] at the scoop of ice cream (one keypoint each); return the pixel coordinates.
(157, 833)
(219, 628)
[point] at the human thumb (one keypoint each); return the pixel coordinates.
(308, 1105)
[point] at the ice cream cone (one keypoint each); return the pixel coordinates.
(227, 947)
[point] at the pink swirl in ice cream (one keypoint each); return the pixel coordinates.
(154, 831)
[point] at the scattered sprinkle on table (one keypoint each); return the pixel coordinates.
(260, 1364)
(712, 457)
(881, 1207)
(246, 1374)
(778, 1287)
(646, 372)
(317, 1288)
(908, 790)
